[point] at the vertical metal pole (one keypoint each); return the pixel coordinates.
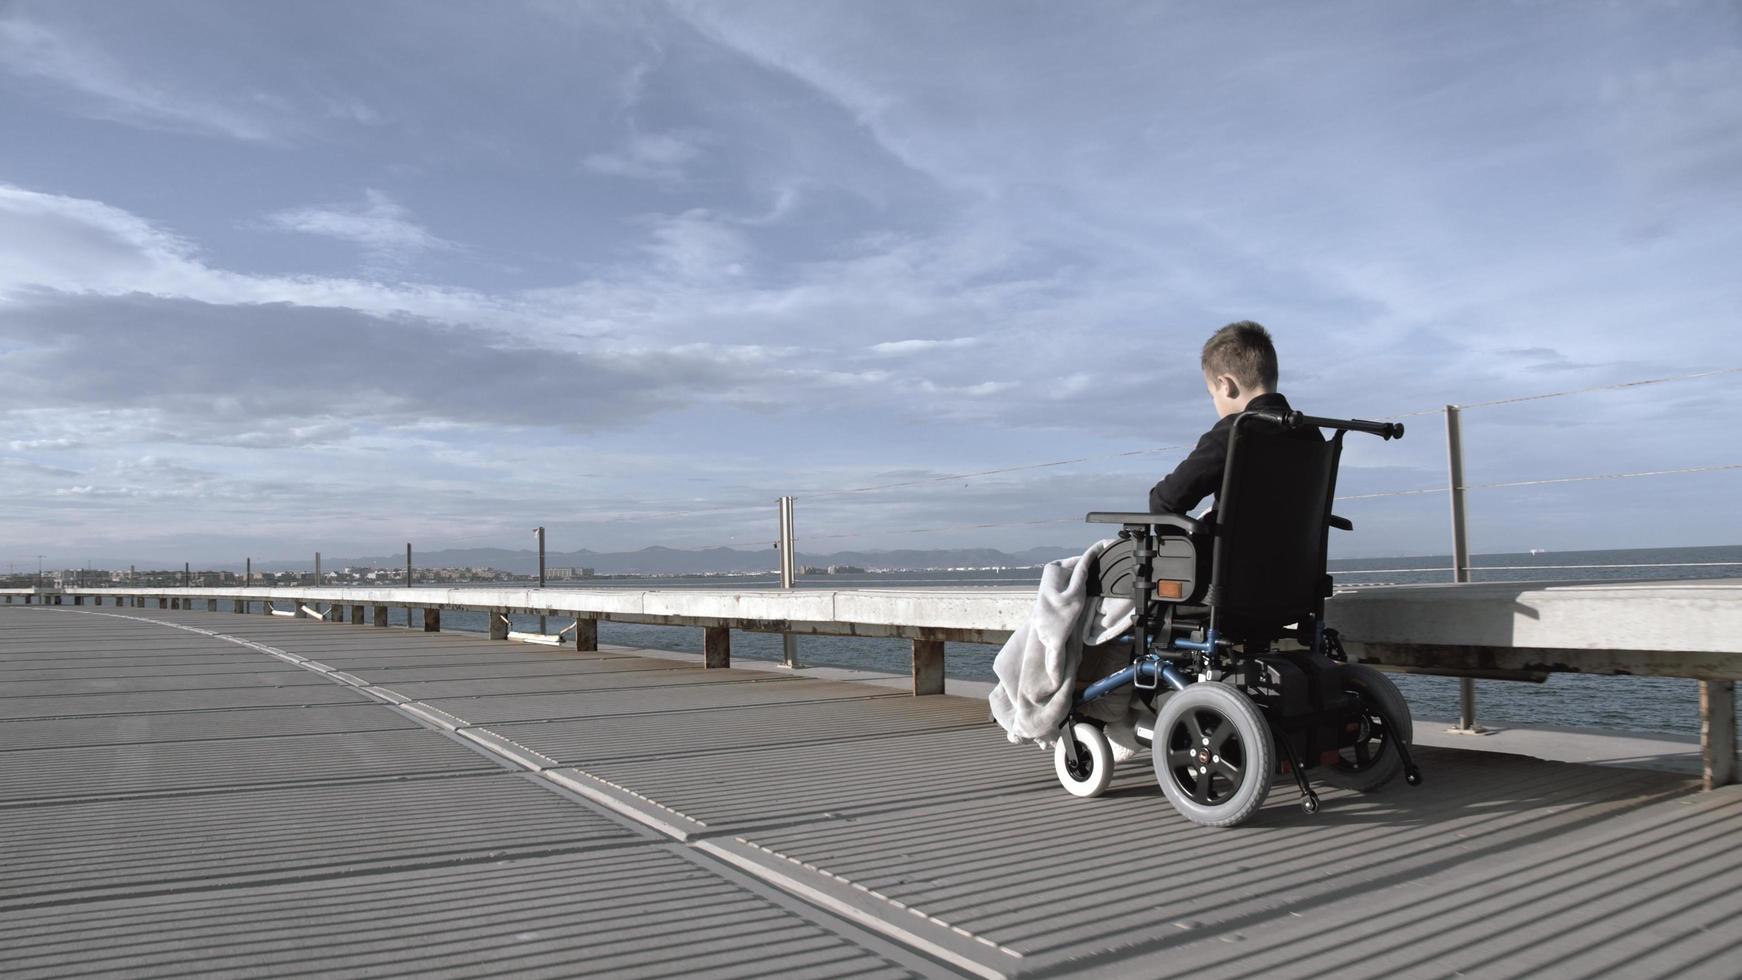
(788, 567)
(247, 573)
(185, 572)
(540, 532)
(317, 569)
(1460, 552)
(408, 581)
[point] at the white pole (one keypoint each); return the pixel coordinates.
(788, 568)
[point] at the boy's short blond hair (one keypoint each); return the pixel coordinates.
(1244, 351)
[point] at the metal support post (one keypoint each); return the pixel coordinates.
(408, 581)
(317, 569)
(716, 646)
(539, 531)
(788, 572)
(1460, 556)
(928, 667)
(1717, 733)
(247, 572)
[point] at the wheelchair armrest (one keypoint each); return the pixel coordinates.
(1342, 523)
(1177, 521)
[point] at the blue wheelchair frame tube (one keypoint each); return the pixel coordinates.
(1159, 668)
(1115, 681)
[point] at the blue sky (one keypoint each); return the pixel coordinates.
(331, 276)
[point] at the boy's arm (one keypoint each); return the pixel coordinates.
(1197, 476)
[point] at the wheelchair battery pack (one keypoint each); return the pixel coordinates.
(1302, 693)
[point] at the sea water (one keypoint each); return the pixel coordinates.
(1644, 705)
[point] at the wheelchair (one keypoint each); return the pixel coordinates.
(1228, 644)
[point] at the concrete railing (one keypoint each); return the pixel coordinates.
(1521, 631)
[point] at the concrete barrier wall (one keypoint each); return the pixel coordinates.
(1676, 629)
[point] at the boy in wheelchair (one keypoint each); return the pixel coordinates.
(1227, 647)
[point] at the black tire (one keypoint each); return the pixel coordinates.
(1213, 755)
(1372, 760)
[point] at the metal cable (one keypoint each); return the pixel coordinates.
(1357, 496)
(812, 495)
(1538, 483)
(951, 527)
(1525, 568)
(1575, 391)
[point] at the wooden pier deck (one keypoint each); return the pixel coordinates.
(191, 792)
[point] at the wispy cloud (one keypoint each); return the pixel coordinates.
(660, 157)
(382, 226)
(107, 89)
(896, 347)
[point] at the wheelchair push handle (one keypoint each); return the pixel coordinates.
(1294, 420)
(1384, 430)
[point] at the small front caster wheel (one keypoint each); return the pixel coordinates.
(1310, 804)
(1413, 776)
(1087, 772)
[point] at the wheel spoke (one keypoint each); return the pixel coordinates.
(1224, 732)
(1202, 791)
(1362, 757)
(1232, 774)
(1197, 732)
(1179, 757)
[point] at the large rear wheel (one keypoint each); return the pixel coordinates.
(1213, 754)
(1369, 759)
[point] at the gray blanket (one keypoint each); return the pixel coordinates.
(1037, 668)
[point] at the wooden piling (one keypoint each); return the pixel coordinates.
(716, 646)
(1718, 733)
(928, 667)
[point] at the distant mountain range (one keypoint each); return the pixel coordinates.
(674, 561)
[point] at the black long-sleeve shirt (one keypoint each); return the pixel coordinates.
(1199, 475)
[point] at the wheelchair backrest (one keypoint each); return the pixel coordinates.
(1272, 521)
